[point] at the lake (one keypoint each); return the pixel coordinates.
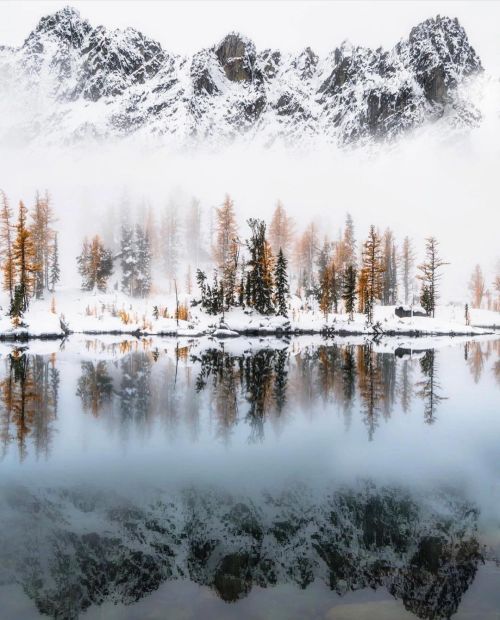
(251, 478)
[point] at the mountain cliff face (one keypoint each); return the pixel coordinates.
(73, 548)
(70, 80)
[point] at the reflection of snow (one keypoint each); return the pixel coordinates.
(102, 545)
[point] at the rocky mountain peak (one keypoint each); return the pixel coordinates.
(65, 25)
(115, 60)
(306, 63)
(236, 54)
(353, 94)
(441, 56)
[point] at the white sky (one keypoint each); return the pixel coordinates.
(185, 27)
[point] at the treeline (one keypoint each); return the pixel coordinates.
(258, 269)
(481, 294)
(254, 272)
(30, 252)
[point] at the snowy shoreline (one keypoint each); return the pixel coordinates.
(225, 332)
(115, 314)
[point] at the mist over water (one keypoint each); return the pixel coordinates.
(160, 412)
(161, 471)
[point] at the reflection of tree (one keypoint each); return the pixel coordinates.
(405, 384)
(225, 373)
(496, 370)
(258, 378)
(29, 402)
(95, 386)
(475, 357)
(494, 347)
(54, 380)
(370, 386)
(268, 379)
(387, 362)
(281, 380)
(430, 387)
(348, 382)
(135, 390)
(192, 407)
(258, 373)
(46, 383)
(328, 361)
(304, 384)
(226, 399)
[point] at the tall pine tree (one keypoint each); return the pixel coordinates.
(372, 271)
(6, 239)
(260, 268)
(128, 259)
(282, 288)
(54, 270)
(430, 275)
(25, 265)
(143, 262)
(226, 250)
(281, 230)
(349, 290)
(170, 240)
(95, 265)
(407, 262)
(42, 236)
(390, 275)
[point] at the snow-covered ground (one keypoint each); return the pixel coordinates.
(116, 313)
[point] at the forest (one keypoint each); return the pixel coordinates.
(256, 266)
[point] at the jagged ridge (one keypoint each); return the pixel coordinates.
(71, 548)
(353, 94)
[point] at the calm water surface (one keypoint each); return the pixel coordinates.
(342, 479)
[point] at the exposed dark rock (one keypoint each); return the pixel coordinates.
(237, 57)
(353, 94)
(349, 539)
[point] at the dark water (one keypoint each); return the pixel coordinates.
(250, 479)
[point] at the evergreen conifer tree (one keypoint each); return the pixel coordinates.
(373, 269)
(282, 288)
(201, 279)
(95, 265)
(349, 290)
(25, 265)
(6, 239)
(261, 268)
(143, 262)
(54, 273)
(128, 259)
(390, 275)
(42, 237)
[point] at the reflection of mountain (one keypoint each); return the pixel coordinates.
(74, 548)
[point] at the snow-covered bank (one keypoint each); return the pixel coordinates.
(118, 314)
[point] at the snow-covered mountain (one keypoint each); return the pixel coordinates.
(71, 80)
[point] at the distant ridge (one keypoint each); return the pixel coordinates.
(70, 80)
